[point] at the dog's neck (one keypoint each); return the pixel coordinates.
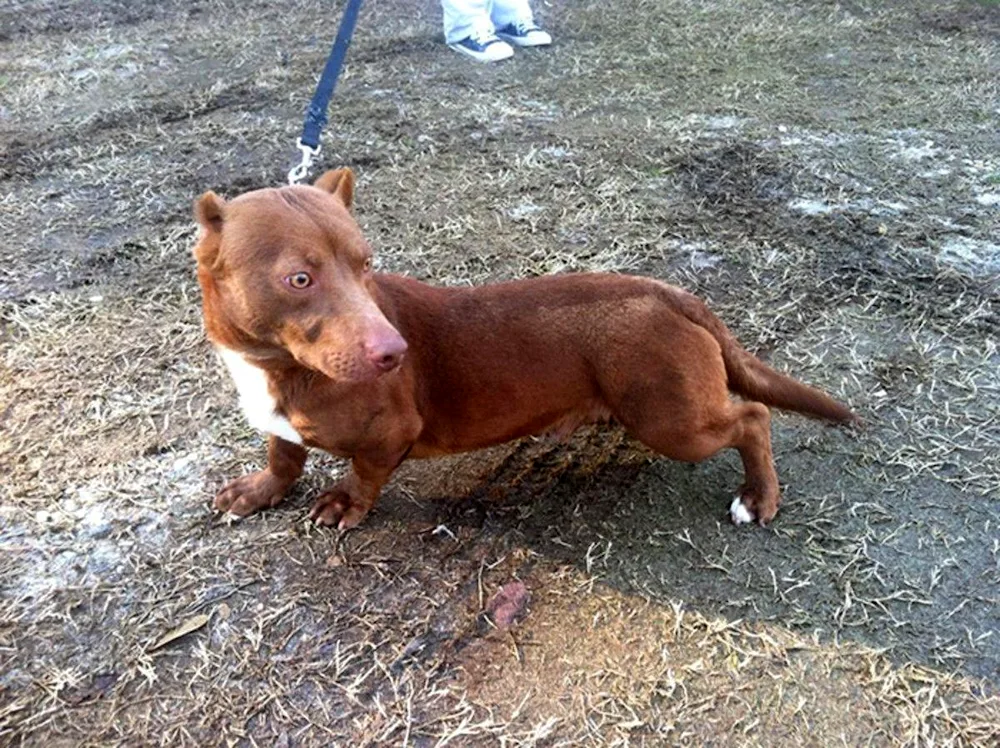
(266, 357)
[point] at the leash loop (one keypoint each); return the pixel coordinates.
(301, 170)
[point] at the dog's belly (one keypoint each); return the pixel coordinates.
(441, 439)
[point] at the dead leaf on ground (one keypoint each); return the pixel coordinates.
(189, 626)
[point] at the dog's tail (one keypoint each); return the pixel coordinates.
(752, 378)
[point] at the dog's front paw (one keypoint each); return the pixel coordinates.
(251, 493)
(337, 507)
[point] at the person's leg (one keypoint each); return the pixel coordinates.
(468, 29)
(504, 12)
(515, 24)
(462, 17)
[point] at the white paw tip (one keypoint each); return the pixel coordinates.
(740, 514)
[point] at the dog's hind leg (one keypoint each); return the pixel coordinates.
(265, 488)
(686, 413)
(743, 426)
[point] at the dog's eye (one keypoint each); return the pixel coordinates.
(367, 267)
(299, 280)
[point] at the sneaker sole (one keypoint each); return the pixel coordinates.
(501, 54)
(517, 41)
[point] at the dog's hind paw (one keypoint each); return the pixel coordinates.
(739, 513)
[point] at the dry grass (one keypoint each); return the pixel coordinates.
(593, 667)
(826, 174)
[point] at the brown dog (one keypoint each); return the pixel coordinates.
(376, 368)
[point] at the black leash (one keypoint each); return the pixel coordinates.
(308, 144)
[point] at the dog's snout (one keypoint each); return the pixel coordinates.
(385, 350)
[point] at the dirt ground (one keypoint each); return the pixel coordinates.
(826, 173)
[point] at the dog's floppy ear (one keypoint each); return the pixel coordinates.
(340, 184)
(209, 210)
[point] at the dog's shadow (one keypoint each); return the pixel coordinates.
(560, 499)
(648, 526)
(645, 524)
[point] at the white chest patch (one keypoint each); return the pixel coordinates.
(258, 404)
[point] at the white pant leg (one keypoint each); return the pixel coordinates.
(508, 11)
(461, 16)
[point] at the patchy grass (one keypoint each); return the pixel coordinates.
(825, 174)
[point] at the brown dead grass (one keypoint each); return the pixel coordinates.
(822, 173)
(591, 666)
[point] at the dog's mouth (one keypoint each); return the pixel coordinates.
(364, 365)
(348, 348)
(356, 371)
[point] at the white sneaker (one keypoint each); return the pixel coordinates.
(483, 45)
(524, 33)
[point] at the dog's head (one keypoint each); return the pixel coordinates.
(287, 276)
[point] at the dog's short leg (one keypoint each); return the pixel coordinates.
(759, 496)
(695, 434)
(350, 499)
(689, 416)
(744, 426)
(265, 488)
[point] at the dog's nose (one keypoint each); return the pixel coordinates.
(385, 351)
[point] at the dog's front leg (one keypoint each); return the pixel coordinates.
(349, 500)
(265, 488)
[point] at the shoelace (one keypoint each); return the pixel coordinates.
(525, 26)
(483, 35)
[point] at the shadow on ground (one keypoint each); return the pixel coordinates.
(824, 174)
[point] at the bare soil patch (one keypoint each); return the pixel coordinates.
(826, 174)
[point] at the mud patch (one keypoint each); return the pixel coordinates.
(734, 175)
(822, 178)
(56, 16)
(968, 18)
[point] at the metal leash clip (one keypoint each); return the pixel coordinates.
(301, 170)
